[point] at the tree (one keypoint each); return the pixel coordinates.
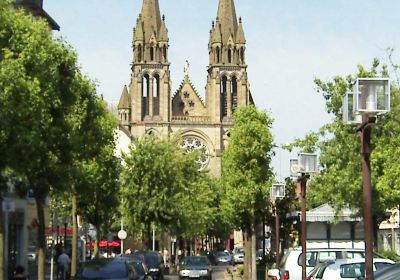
(247, 175)
(339, 182)
(37, 93)
(162, 187)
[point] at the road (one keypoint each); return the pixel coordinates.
(218, 273)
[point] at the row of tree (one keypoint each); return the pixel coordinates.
(56, 136)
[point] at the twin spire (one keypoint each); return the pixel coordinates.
(150, 23)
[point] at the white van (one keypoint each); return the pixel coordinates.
(291, 264)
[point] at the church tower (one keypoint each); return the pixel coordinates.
(149, 90)
(147, 105)
(227, 85)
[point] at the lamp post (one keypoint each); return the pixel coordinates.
(305, 165)
(370, 97)
(277, 191)
(65, 221)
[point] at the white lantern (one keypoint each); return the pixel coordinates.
(372, 95)
(294, 167)
(277, 191)
(349, 113)
(307, 163)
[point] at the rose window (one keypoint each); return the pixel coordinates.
(191, 143)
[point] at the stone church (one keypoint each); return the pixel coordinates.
(148, 105)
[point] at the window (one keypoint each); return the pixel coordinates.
(311, 259)
(353, 270)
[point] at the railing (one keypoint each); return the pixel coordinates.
(191, 118)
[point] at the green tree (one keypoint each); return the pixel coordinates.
(339, 182)
(37, 93)
(159, 182)
(247, 175)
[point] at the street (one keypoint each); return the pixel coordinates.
(218, 273)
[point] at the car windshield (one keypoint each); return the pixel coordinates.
(239, 250)
(103, 269)
(199, 261)
(152, 260)
(221, 254)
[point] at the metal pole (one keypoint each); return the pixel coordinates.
(65, 236)
(277, 237)
(303, 184)
(122, 241)
(6, 243)
(365, 134)
(154, 240)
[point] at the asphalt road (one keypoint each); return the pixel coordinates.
(218, 273)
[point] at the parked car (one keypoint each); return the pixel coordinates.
(110, 269)
(389, 273)
(222, 257)
(347, 269)
(290, 266)
(238, 255)
(155, 263)
(195, 267)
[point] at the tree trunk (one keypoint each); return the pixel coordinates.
(41, 239)
(2, 276)
(74, 235)
(253, 251)
(247, 255)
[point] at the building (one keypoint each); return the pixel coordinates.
(148, 106)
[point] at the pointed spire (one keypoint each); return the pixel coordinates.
(227, 18)
(125, 100)
(216, 33)
(150, 17)
(163, 32)
(240, 39)
(139, 35)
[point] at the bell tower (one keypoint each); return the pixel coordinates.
(227, 84)
(149, 89)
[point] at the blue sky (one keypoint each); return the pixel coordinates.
(289, 43)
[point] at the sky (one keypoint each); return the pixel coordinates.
(288, 44)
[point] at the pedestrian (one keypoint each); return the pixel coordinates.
(19, 273)
(63, 263)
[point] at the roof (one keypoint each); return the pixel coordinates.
(326, 213)
(36, 8)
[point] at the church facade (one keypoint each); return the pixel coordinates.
(148, 106)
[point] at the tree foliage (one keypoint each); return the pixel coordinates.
(162, 187)
(246, 165)
(339, 182)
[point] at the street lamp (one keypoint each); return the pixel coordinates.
(370, 98)
(305, 165)
(277, 191)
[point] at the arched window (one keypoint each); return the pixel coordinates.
(165, 53)
(224, 102)
(234, 93)
(242, 55)
(156, 95)
(139, 53)
(145, 95)
(230, 56)
(151, 53)
(217, 54)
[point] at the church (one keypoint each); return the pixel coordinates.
(148, 105)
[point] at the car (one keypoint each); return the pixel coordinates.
(238, 255)
(222, 257)
(155, 263)
(112, 268)
(290, 266)
(347, 269)
(389, 273)
(195, 267)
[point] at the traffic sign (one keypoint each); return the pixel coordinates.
(122, 234)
